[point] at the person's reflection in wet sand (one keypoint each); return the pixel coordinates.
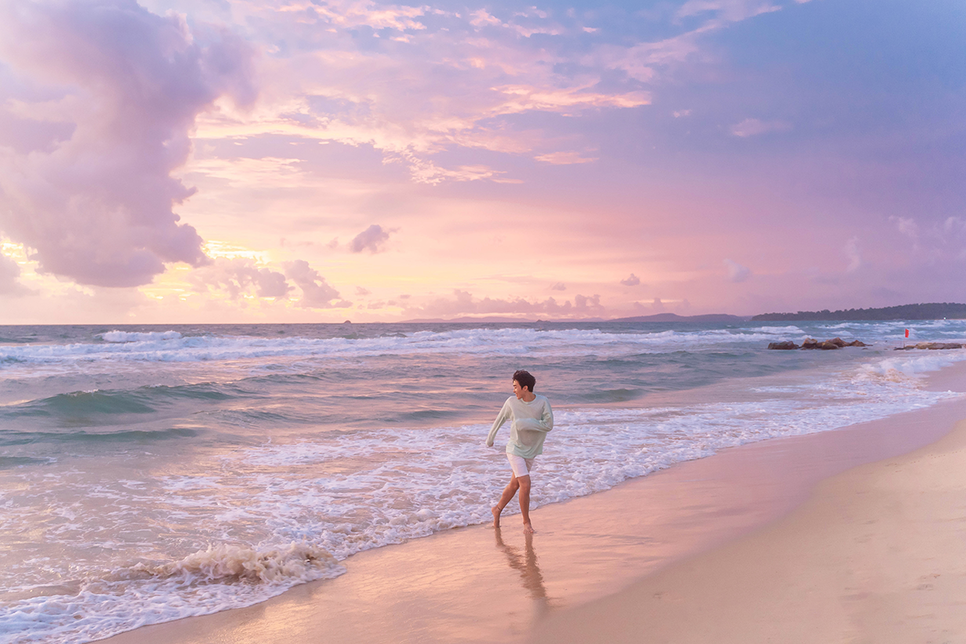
(529, 571)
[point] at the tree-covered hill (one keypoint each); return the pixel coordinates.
(934, 311)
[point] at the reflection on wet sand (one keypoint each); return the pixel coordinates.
(526, 565)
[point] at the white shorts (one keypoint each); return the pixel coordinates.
(520, 466)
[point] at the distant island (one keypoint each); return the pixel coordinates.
(934, 311)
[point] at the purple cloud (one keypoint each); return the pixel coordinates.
(371, 239)
(96, 207)
(632, 280)
(737, 272)
(316, 292)
(241, 275)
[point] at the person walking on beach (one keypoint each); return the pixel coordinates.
(530, 419)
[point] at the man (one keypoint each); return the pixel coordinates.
(530, 419)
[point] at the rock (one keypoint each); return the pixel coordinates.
(934, 346)
(812, 343)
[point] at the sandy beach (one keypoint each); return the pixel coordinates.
(851, 535)
(876, 555)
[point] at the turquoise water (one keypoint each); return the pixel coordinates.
(150, 473)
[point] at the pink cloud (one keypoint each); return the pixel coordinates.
(727, 10)
(737, 272)
(371, 239)
(241, 275)
(316, 292)
(97, 207)
(564, 158)
(754, 127)
(632, 280)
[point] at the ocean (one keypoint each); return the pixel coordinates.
(149, 473)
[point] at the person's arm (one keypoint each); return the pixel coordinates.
(501, 418)
(547, 418)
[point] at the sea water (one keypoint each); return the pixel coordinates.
(152, 473)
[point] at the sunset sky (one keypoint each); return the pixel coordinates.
(307, 160)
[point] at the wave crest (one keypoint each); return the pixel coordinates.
(297, 562)
(131, 336)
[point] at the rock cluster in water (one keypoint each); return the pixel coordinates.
(931, 345)
(809, 343)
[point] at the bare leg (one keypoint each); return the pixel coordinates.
(508, 492)
(524, 483)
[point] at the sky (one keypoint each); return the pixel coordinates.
(215, 161)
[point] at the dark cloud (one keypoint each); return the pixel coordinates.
(241, 275)
(371, 239)
(633, 280)
(97, 206)
(363, 291)
(316, 292)
(559, 286)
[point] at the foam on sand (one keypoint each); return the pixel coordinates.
(217, 578)
(297, 562)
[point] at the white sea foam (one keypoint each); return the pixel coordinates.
(296, 562)
(121, 348)
(128, 336)
(218, 578)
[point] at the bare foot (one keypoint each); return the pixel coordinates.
(528, 529)
(496, 516)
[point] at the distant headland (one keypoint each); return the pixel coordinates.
(933, 311)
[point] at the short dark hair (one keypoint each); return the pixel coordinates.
(525, 379)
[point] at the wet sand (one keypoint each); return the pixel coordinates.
(875, 555)
(717, 539)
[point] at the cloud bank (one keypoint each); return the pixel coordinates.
(464, 303)
(97, 207)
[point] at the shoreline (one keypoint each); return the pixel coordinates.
(873, 555)
(474, 585)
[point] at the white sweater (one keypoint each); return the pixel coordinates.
(530, 423)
